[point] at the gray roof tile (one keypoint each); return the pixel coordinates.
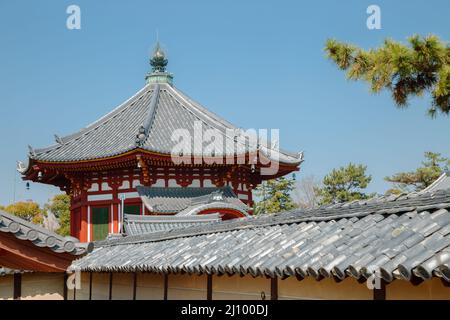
(390, 234)
(184, 200)
(158, 108)
(442, 183)
(138, 225)
(41, 237)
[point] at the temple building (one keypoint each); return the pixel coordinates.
(149, 215)
(385, 248)
(148, 146)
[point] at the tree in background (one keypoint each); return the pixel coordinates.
(344, 184)
(275, 196)
(60, 207)
(433, 166)
(406, 71)
(305, 192)
(27, 210)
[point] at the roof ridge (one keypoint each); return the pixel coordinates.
(144, 130)
(170, 189)
(169, 218)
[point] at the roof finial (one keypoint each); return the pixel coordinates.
(31, 151)
(158, 60)
(58, 139)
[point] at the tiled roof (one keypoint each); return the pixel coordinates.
(41, 237)
(441, 183)
(137, 225)
(214, 205)
(176, 199)
(147, 120)
(395, 236)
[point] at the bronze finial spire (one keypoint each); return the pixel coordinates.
(158, 60)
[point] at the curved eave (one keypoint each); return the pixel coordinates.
(129, 155)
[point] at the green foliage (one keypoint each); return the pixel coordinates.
(275, 196)
(422, 177)
(27, 210)
(344, 184)
(60, 207)
(423, 66)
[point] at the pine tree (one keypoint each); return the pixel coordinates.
(406, 71)
(422, 177)
(344, 184)
(275, 196)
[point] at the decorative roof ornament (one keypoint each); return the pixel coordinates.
(216, 196)
(141, 136)
(159, 62)
(301, 156)
(31, 151)
(21, 167)
(58, 139)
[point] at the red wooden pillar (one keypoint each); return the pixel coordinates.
(84, 216)
(116, 217)
(115, 208)
(84, 224)
(74, 218)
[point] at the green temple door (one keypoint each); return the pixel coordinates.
(132, 209)
(100, 222)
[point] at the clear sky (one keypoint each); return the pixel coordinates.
(259, 64)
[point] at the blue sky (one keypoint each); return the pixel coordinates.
(259, 64)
